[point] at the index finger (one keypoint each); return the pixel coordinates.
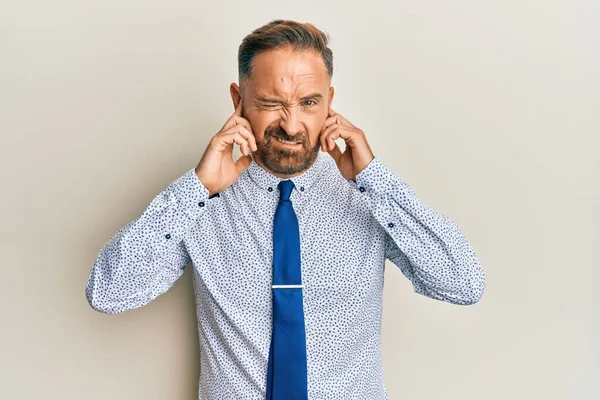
(236, 118)
(334, 117)
(238, 109)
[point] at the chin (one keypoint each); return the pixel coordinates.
(287, 162)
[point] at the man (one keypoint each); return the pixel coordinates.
(288, 243)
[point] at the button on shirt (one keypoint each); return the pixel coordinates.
(348, 229)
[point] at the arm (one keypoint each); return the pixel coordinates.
(428, 247)
(146, 256)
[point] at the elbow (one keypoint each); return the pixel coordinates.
(473, 297)
(103, 307)
(468, 290)
(465, 290)
(480, 290)
(476, 289)
(97, 302)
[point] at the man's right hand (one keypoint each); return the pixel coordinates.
(217, 170)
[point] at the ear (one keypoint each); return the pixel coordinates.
(236, 95)
(331, 93)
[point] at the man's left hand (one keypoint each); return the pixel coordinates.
(357, 153)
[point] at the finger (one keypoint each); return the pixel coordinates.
(242, 163)
(234, 118)
(325, 143)
(331, 139)
(229, 139)
(327, 139)
(336, 132)
(243, 143)
(334, 116)
(342, 120)
(336, 119)
(238, 108)
(336, 153)
(239, 140)
(330, 121)
(248, 135)
(323, 136)
(244, 122)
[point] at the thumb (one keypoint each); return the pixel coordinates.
(242, 163)
(336, 153)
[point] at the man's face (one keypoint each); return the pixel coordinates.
(287, 98)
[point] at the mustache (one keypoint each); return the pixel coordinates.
(282, 134)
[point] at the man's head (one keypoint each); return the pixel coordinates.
(285, 70)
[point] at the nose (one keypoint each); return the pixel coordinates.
(291, 121)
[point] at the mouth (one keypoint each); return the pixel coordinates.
(287, 143)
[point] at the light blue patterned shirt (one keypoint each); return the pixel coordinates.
(347, 229)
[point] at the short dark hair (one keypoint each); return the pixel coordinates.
(281, 33)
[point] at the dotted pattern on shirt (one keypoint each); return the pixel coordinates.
(347, 229)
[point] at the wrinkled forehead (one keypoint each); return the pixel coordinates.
(288, 74)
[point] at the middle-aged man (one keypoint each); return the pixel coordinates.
(288, 243)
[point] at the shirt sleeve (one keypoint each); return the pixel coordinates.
(144, 258)
(429, 248)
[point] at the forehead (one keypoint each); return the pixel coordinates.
(288, 73)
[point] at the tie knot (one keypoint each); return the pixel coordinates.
(285, 188)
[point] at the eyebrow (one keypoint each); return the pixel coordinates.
(271, 100)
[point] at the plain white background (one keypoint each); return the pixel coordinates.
(488, 109)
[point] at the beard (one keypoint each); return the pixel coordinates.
(283, 160)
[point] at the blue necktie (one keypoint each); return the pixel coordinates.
(287, 374)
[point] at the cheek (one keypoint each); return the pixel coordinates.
(315, 129)
(258, 123)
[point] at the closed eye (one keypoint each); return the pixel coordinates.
(270, 105)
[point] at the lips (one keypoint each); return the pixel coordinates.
(284, 141)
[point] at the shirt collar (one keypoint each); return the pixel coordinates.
(302, 183)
